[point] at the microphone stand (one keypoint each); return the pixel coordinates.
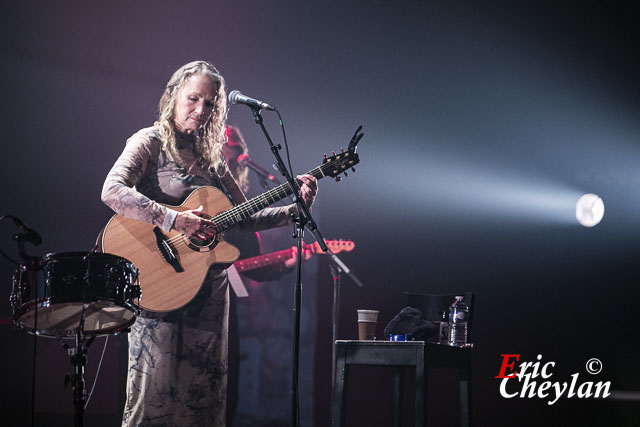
(264, 184)
(262, 174)
(335, 272)
(32, 265)
(264, 178)
(336, 268)
(303, 219)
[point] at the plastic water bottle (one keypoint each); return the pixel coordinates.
(458, 317)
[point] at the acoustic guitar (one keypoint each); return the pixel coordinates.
(172, 266)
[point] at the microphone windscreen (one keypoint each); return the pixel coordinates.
(233, 96)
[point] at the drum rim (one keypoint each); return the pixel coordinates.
(28, 306)
(64, 333)
(51, 256)
(71, 332)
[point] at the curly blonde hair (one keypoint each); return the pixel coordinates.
(212, 136)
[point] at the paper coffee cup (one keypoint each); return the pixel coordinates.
(367, 323)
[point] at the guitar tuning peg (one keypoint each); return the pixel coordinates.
(341, 150)
(353, 169)
(333, 153)
(325, 156)
(345, 174)
(338, 178)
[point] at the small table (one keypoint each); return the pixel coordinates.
(398, 355)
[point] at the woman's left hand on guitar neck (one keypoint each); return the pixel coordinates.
(308, 189)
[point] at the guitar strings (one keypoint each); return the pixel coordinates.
(339, 245)
(262, 201)
(246, 209)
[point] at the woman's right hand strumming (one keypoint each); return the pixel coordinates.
(191, 224)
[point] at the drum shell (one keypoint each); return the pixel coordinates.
(95, 289)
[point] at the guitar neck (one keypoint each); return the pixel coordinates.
(266, 260)
(244, 210)
(277, 257)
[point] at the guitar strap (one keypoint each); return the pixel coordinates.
(232, 274)
(236, 282)
(224, 189)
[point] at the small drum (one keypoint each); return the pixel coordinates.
(95, 291)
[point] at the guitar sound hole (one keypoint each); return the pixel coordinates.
(200, 242)
(203, 245)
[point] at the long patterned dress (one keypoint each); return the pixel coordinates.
(177, 373)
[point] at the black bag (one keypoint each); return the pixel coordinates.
(411, 321)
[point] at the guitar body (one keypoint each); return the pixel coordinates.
(163, 288)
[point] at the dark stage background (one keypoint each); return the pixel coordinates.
(484, 123)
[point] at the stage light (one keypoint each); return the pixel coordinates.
(589, 210)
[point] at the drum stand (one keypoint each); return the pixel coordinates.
(78, 355)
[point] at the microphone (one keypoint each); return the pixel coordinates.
(244, 160)
(235, 97)
(28, 234)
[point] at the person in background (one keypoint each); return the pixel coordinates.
(249, 246)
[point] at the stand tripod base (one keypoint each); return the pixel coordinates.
(78, 355)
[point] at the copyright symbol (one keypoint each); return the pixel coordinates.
(594, 366)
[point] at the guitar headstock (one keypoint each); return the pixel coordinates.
(336, 246)
(337, 164)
